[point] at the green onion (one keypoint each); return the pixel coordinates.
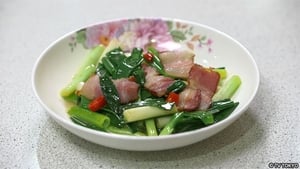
(170, 126)
(84, 102)
(156, 63)
(88, 118)
(228, 89)
(110, 93)
(151, 127)
(108, 65)
(139, 75)
(116, 130)
(176, 86)
(222, 72)
(73, 98)
(225, 113)
(162, 121)
(145, 112)
(113, 44)
(200, 118)
(87, 68)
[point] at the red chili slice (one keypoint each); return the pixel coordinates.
(97, 103)
(148, 57)
(173, 97)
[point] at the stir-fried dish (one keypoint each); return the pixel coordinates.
(148, 93)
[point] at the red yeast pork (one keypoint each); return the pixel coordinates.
(155, 83)
(127, 89)
(206, 80)
(177, 63)
(91, 88)
(189, 99)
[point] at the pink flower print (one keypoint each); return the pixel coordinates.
(209, 42)
(102, 33)
(150, 32)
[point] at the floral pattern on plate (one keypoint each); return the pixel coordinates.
(163, 35)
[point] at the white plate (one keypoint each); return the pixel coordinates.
(56, 65)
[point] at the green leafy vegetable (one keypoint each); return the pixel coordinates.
(129, 64)
(225, 113)
(109, 91)
(138, 127)
(156, 63)
(139, 76)
(108, 66)
(199, 118)
(145, 94)
(176, 86)
(115, 119)
(119, 66)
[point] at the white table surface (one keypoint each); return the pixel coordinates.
(269, 131)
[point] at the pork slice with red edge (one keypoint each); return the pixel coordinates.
(189, 99)
(127, 89)
(206, 80)
(177, 63)
(91, 88)
(155, 83)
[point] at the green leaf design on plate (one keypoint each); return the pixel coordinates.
(170, 25)
(177, 35)
(190, 31)
(81, 37)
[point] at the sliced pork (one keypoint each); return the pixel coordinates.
(127, 89)
(91, 88)
(189, 99)
(155, 83)
(206, 80)
(177, 63)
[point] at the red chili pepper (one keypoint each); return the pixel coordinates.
(148, 57)
(173, 97)
(97, 103)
